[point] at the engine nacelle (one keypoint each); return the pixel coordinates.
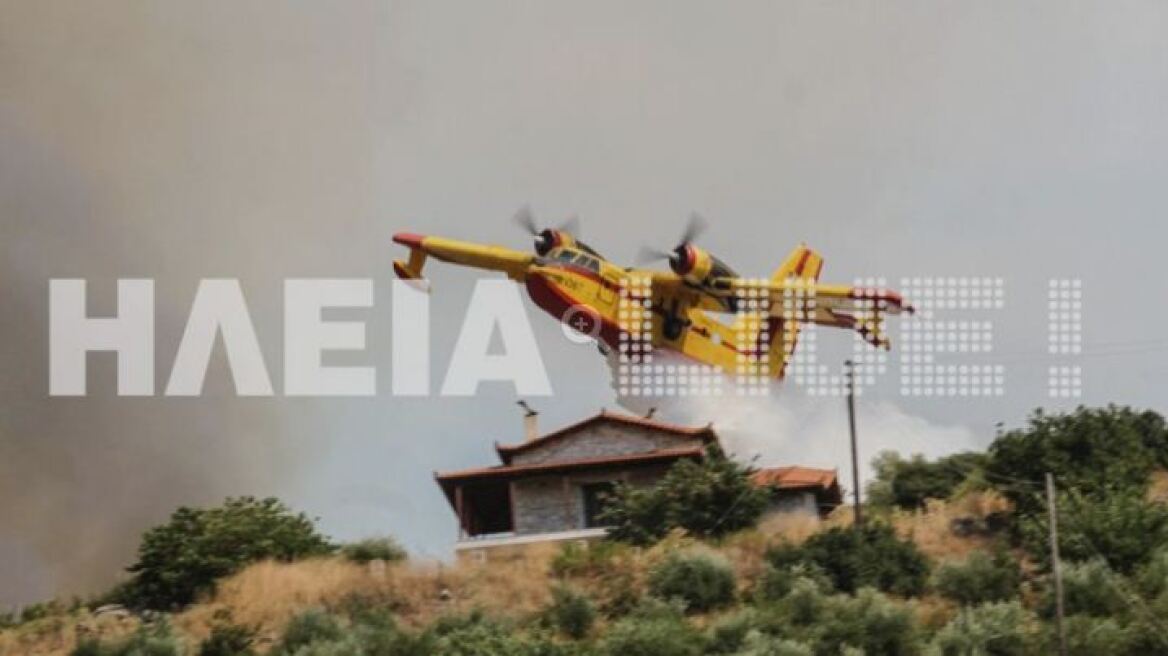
(696, 265)
(547, 239)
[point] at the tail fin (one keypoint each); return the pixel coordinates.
(802, 263)
(782, 328)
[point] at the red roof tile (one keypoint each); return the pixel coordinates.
(785, 478)
(508, 470)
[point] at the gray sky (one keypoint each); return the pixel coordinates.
(262, 141)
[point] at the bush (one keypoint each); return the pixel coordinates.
(868, 621)
(1116, 524)
(775, 583)
(475, 635)
(1091, 636)
(708, 499)
(228, 639)
(370, 549)
(148, 640)
(571, 612)
(590, 559)
(653, 629)
(853, 558)
(1152, 578)
(701, 581)
(991, 629)
(1088, 449)
(728, 634)
(184, 557)
(909, 483)
(307, 628)
(979, 579)
(1089, 588)
(759, 644)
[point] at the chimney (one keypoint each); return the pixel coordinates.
(530, 422)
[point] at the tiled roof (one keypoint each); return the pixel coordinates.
(785, 478)
(706, 432)
(580, 463)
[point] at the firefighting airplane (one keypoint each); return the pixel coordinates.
(575, 284)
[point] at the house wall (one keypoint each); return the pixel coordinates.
(603, 439)
(795, 501)
(549, 504)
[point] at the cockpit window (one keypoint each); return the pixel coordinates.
(589, 262)
(566, 255)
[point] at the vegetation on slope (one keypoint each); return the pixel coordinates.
(953, 562)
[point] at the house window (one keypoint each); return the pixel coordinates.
(596, 497)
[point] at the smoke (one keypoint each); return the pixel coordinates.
(174, 144)
(789, 427)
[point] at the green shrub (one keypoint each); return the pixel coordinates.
(1091, 636)
(990, 629)
(1088, 449)
(1152, 578)
(776, 583)
(1089, 588)
(476, 635)
(760, 644)
(868, 621)
(590, 559)
(653, 629)
(184, 557)
(571, 612)
(979, 579)
(804, 605)
(709, 498)
(1116, 524)
(852, 558)
(728, 634)
(229, 639)
(909, 483)
(307, 628)
(701, 581)
(369, 549)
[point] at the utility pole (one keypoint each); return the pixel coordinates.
(1055, 566)
(851, 373)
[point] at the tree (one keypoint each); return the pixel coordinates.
(871, 556)
(1116, 524)
(184, 557)
(909, 483)
(980, 578)
(1088, 449)
(709, 498)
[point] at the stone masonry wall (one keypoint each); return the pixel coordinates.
(603, 439)
(555, 503)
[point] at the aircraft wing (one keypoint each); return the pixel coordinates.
(493, 258)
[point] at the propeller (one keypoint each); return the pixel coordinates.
(694, 227)
(524, 219)
(544, 239)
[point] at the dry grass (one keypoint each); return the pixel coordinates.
(59, 634)
(1158, 486)
(268, 594)
(931, 528)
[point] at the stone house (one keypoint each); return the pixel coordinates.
(552, 487)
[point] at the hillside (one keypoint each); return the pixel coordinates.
(269, 594)
(953, 560)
